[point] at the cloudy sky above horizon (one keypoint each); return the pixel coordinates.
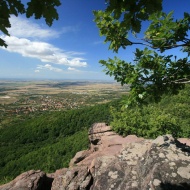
(70, 49)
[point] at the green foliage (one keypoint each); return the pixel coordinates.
(165, 33)
(48, 141)
(170, 116)
(45, 9)
(121, 17)
(50, 156)
(151, 77)
(152, 73)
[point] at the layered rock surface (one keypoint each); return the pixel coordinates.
(30, 180)
(116, 163)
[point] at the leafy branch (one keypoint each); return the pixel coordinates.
(150, 75)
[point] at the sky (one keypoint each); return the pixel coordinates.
(70, 49)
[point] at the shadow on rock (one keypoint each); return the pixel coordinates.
(169, 186)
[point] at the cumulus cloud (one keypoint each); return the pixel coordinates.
(37, 71)
(48, 67)
(26, 39)
(43, 51)
(21, 27)
(24, 28)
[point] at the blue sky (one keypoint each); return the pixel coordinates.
(70, 49)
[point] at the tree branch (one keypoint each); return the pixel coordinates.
(185, 44)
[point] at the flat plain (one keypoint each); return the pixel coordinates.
(19, 97)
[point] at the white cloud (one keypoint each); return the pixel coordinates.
(23, 32)
(24, 28)
(43, 51)
(37, 71)
(76, 62)
(72, 69)
(21, 27)
(48, 67)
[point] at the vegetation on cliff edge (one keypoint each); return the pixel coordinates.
(170, 116)
(48, 141)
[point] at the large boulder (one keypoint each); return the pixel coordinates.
(160, 164)
(30, 180)
(77, 178)
(130, 163)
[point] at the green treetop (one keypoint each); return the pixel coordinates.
(152, 73)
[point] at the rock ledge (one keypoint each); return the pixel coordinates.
(116, 163)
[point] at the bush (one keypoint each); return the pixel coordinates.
(170, 116)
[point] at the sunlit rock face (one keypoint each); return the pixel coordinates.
(30, 180)
(116, 163)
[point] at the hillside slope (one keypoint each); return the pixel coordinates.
(48, 141)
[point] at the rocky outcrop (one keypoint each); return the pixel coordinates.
(74, 178)
(116, 163)
(31, 180)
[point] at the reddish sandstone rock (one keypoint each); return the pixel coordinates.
(102, 142)
(79, 157)
(130, 163)
(184, 141)
(77, 178)
(31, 180)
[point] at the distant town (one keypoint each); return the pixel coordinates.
(26, 97)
